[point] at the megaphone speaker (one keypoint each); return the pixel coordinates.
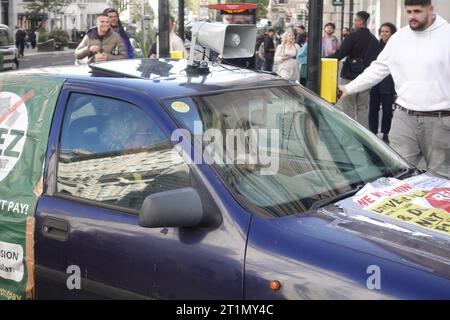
(229, 40)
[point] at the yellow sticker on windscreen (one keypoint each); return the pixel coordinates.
(180, 107)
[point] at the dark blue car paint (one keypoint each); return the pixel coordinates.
(119, 259)
(315, 261)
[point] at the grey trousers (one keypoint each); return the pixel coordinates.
(414, 137)
(356, 106)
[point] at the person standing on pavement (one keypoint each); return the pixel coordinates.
(345, 33)
(417, 57)
(20, 36)
(286, 57)
(175, 42)
(360, 48)
(259, 50)
(101, 43)
(300, 36)
(269, 51)
(383, 93)
(117, 27)
(330, 44)
(302, 59)
(32, 38)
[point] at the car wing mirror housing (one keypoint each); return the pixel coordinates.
(179, 208)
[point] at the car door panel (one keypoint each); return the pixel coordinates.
(116, 257)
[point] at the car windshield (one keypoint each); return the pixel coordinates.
(4, 38)
(282, 150)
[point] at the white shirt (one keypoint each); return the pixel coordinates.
(419, 62)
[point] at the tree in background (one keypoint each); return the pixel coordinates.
(38, 6)
(194, 5)
(147, 36)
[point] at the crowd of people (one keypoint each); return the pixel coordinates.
(406, 74)
(417, 58)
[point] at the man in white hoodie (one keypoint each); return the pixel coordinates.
(418, 58)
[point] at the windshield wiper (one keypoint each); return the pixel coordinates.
(408, 172)
(403, 174)
(322, 203)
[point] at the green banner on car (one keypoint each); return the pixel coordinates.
(26, 110)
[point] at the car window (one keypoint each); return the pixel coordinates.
(280, 150)
(4, 38)
(114, 153)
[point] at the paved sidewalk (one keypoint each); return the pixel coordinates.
(33, 52)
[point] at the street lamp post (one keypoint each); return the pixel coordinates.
(163, 26)
(314, 44)
(342, 17)
(181, 18)
(350, 15)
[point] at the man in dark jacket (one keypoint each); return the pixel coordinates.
(300, 36)
(20, 40)
(32, 38)
(360, 48)
(269, 51)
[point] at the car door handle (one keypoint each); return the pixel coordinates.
(55, 228)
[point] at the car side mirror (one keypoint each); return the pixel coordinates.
(179, 208)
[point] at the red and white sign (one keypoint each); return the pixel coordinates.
(371, 198)
(232, 7)
(439, 198)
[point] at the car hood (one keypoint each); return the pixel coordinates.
(403, 220)
(363, 233)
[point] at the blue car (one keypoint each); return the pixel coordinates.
(136, 179)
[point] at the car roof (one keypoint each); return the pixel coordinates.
(164, 78)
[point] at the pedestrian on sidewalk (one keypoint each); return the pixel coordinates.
(32, 38)
(176, 44)
(286, 57)
(330, 43)
(20, 36)
(360, 48)
(345, 32)
(101, 43)
(383, 93)
(269, 51)
(417, 57)
(302, 59)
(300, 36)
(259, 51)
(116, 26)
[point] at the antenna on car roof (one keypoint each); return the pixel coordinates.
(229, 40)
